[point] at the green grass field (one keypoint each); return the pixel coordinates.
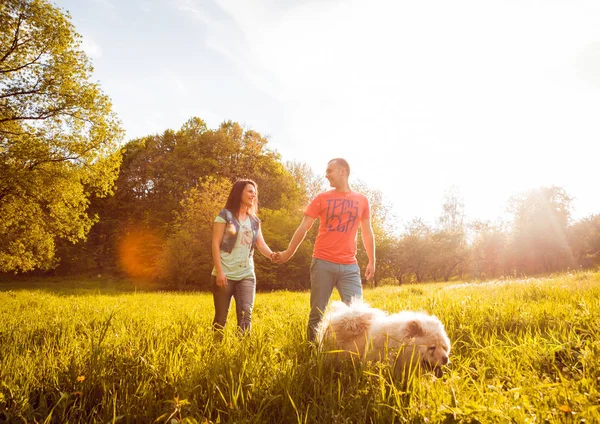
(523, 351)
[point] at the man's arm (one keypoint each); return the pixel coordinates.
(369, 243)
(298, 237)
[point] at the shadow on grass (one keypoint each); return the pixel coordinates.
(79, 286)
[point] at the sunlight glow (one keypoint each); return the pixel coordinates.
(137, 249)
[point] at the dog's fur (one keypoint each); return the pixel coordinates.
(406, 339)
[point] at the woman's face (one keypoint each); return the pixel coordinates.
(249, 196)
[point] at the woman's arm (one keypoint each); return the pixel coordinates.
(217, 238)
(262, 246)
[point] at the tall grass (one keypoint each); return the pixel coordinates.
(523, 351)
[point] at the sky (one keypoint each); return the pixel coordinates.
(491, 97)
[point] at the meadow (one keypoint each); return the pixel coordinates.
(524, 350)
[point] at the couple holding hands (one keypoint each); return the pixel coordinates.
(237, 231)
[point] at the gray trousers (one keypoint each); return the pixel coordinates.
(324, 276)
(243, 292)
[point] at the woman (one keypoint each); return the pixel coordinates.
(236, 232)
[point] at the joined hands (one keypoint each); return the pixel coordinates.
(280, 257)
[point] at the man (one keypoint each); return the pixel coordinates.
(340, 211)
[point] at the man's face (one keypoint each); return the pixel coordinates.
(333, 174)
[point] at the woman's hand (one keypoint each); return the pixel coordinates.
(221, 279)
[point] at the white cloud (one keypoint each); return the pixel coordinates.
(225, 36)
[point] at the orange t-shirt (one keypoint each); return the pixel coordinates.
(341, 214)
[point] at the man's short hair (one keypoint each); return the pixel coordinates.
(341, 162)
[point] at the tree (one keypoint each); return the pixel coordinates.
(58, 136)
(453, 215)
(382, 231)
(451, 253)
(417, 247)
(158, 170)
(397, 261)
(539, 240)
(278, 227)
(488, 250)
(584, 241)
(309, 182)
(157, 174)
(450, 241)
(187, 255)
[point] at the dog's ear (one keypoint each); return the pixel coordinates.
(414, 329)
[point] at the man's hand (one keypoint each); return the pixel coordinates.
(370, 271)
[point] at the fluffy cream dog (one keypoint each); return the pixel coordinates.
(404, 339)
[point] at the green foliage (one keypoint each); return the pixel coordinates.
(488, 249)
(381, 221)
(453, 215)
(58, 136)
(309, 183)
(584, 240)
(141, 357)
(416, 248)
(451, 253)
(159, 171)
(278, 227)
(187, 257)
(539, 240)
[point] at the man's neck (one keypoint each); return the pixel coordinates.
(344, 188)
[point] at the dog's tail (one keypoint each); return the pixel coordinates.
(355, 318)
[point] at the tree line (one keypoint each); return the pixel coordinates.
(75, 200)
(538, 237)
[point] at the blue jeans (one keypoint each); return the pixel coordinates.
(243, 292)
(324, 276)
